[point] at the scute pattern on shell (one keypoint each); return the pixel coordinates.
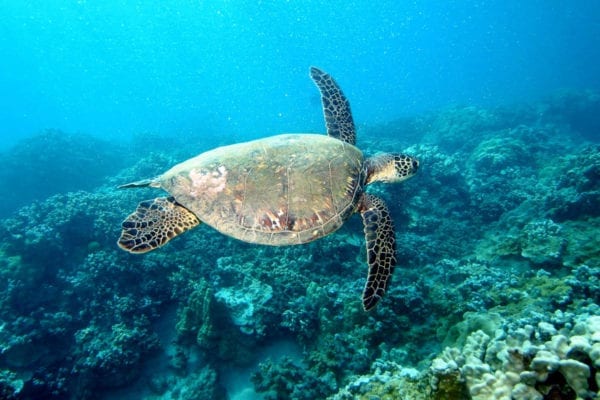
(284, 189)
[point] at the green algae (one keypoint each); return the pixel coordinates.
(195, 319)
(583, 243)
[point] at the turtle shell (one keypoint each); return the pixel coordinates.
(280, 190)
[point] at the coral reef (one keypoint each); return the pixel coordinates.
(54, 162)
(199, 385)
(552, 359)
(388, 381)
(111, 358)
(286, 380)
(196, 320)
(496, 293)
(242, 295)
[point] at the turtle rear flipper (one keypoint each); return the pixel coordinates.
(143, 183)
(381, 248)
(154, 223)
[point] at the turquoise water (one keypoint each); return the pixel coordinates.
(496, 290)
(112, 69)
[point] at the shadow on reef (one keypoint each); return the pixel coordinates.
(496, 294)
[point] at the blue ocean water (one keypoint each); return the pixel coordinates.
(497, 284)
(114, 68)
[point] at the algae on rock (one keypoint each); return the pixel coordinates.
(195, 320)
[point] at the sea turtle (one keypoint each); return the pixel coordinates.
(280, 190)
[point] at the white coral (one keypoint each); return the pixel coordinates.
(511, 364)
(576, 373)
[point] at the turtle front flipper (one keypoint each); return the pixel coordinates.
(336, 107)
(154, 223)
(381, 248)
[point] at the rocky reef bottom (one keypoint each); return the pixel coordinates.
(496, 295)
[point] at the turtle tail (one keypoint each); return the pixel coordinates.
(138, 184)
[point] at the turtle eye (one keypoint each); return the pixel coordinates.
(415, 164)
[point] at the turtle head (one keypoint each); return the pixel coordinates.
(391, 167)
